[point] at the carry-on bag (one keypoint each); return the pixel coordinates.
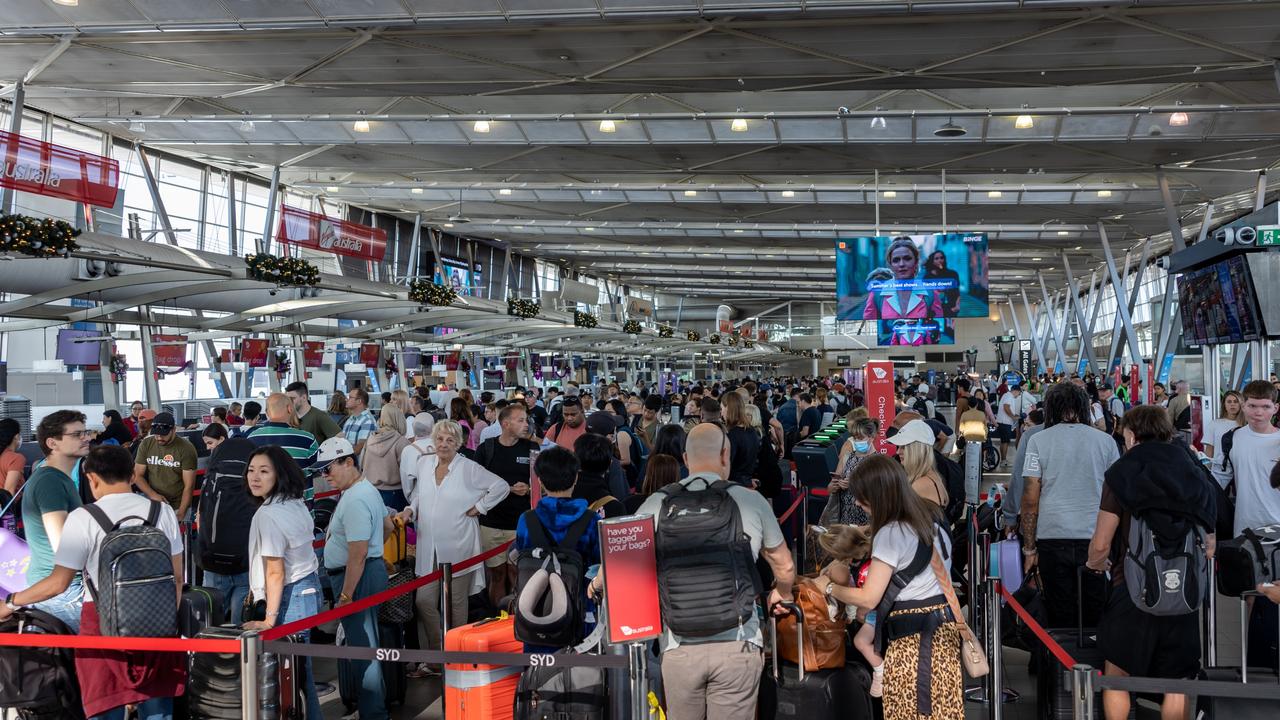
(789, 691)
(199, 608)
(562, 693)
(39, 682)
(1224, 708)
(482, 692)
(213, 686)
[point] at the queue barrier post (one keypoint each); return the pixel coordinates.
(1082, 692)
(995, 690)
(639, 681)
(250, 656)
(446, 596)
(803, 524)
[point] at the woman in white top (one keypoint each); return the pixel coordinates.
(282, 564)
(421, 427)
(1230, 417)
(903, 523)
(448, 496)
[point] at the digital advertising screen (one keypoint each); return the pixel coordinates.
(907, 332)
(74, 350)
(1218, 305)
(459, 276)
(912, 277)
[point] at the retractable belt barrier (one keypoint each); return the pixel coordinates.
(349, 652)
(791, 509)
(1058, 651)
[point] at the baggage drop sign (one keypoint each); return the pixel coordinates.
(630, 568)
(878, 391)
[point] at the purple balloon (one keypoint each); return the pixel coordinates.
(15, 556)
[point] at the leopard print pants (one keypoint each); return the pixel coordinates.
(946, 685)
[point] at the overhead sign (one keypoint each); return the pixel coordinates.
(253, 352)
(170, 350)
(46, 169)
(312, 353)
(370, 354)
(320, 232)
(630, 565)
(878, 391)
(1024, 358)
(638, 308)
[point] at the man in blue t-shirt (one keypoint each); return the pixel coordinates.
(788, 413)
(49, 496)
(810, 416)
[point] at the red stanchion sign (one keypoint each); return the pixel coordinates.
(46, 169)
(878, 391)
(312, 353)
(170, 350)
(320, 232)
(630, 566)
(254, 352)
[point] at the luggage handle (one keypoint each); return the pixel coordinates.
(794, 610)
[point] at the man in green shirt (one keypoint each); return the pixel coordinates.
(48, 498)
(312, 419)
(165, 469)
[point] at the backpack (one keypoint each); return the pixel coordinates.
(638, 456)
(562, 693)
(37, 681)
(136, 593)
(549, 603)
(1248, 560)
(1109, 417)
(1165, 567)
(707, 577)
(226, 510)
(953, 479)
(921, 406)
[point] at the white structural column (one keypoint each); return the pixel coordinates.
(1085, 349)
(1053, 324)
(1033, 335)
(1122, 309)
(1118, 326)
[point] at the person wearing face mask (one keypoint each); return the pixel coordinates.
(841, 507)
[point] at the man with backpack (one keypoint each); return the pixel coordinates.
(223, 516)
(507, 456)
(1012, 410)
(709, 534)
(129, 548)
(1112, 412)
(1154, 532)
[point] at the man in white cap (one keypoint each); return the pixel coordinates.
(353, 560)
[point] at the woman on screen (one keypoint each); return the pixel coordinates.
(904, 300)
(936, 269)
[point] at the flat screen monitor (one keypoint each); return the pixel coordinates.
(1218, 304)
(73, 350)
(916, 333)
(912, 276)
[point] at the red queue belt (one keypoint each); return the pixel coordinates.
(102, 642)
(1058, 651)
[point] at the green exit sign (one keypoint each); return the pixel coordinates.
(1269, 235)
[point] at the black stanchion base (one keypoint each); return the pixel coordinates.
(979, 695)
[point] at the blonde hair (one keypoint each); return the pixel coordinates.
(391, 417)
(400, 398)
(735, 410)
(847, 543)
(857, 413)
(917, 459)
(864, 427)
(448, 426)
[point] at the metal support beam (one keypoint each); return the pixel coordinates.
(268, 228)
(9, 198)
(233, 234)
(412, 267)
(1117, 327)
(1017, 326)
(1073, 293)
(110, 398)
(1260, 359)
(1095, 305)
(506, 274)
(1121, 309)
(1170, 211)
(1239, 359)
(1259, 199)
(1053, 324)
(150, 382)
(154, 188)
(1032, 325)
(434, 237)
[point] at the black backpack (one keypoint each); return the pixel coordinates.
(226, 510)
(562, 693)
(543, 572)
(953, 479)
(707, 577)
(133, 587)
(39, 682)
(921, 406)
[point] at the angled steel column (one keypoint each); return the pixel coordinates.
(156, 201)
(506, 274)
(9, 197)
(1118, 325)
(1170, 211)
(1033, 323)
(1073, 291)
(267, 228)
(1168, 330)
(1017, 326)
(1239, 359)
(434, 237)
(1121, 309)
(149, 380)
(233, 236)
(1095, 304)
(1053, 325)
(411, 267)
(1259, 199)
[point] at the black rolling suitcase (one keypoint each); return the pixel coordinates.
(787, 691)
(39, 682)
(395, 675)
(1222, 708)
(213, 686)
(200, 607)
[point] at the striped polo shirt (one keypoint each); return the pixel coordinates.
(300, 444)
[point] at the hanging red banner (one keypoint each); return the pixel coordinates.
(878, 391)
(254, 352)
(512, 361)
(227, 355)
(452, 360)
(762, 335)
(320, 232)
(370, 354)
(312, 353)
(1134, 399)
(46, 169)
(170, 350)
(1151, 383)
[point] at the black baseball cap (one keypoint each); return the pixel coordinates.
(162, 423)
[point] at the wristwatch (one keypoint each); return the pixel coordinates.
(8, 601)
(1029, 551)
(827, 590)
(343, 597)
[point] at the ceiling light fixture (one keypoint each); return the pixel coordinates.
(1024, 121)
(1062, 233)
(1178, 119)
(137, 126)
(950, 130)
(788, 193)
(481, 126)
(877, 121)
(416, 191)
(889, 194)
(1104, 193)
(504, 191)
(738, 231)
(331, 189)
(246, 125)
(590, 229)
(1035, 259)
(448, 225)
(362, 125)
(608, 126)
(67, 3)
(691, 193)
(738, 124)
(993, 194)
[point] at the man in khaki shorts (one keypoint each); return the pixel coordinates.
(510, 457)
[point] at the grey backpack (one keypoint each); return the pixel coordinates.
(135, 592)
(1166, 571)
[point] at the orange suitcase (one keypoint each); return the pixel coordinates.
(483, 692)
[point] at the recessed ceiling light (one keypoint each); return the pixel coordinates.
(608, 126)
(481, 126)
(691, 193)
(889, 194)
(361, 125)
(504, 191)
(993, 194)
(1024, 122)
(1104, 193)
(416, 191)
(738, 125)
(1063, 232)
(448, 224)
(332, 189)
(788, 193)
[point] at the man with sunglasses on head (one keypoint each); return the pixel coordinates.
(48, 497)
(353, 560)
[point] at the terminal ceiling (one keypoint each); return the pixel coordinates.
(674, 198)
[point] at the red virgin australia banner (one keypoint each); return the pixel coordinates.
(46, 169)
(320, 232)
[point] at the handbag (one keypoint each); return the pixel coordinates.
(824, 636)
(398, 609)
(972, 656)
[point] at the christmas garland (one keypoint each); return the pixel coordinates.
(429, 293)
(390, 365)
(523, 309)
(747, 344)
(38, 238)
(693, 336)
(585, 319)
(631, 327)
(733, 341)
(665, 331)
(282, 364)
(119, 368)
(714, 338)
(282, 270)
